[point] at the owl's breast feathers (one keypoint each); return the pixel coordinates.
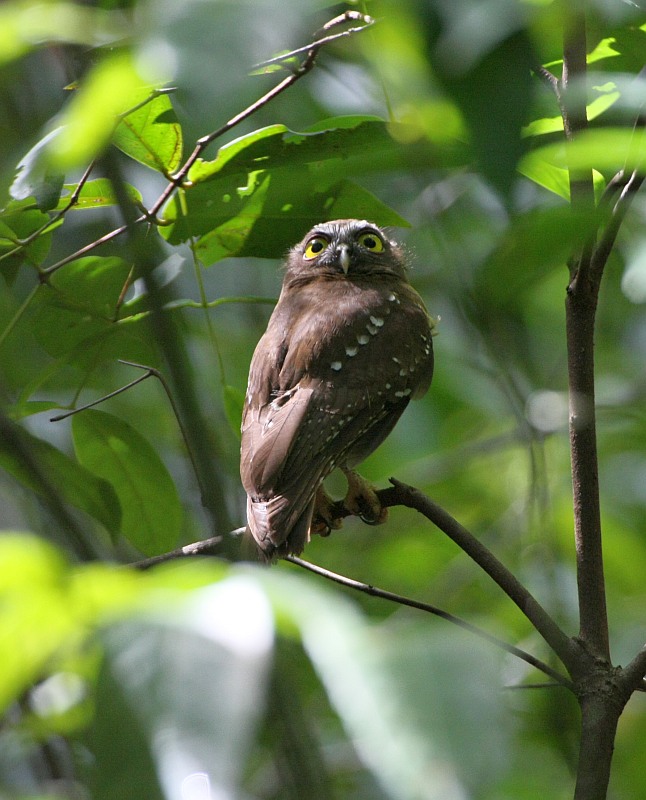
(329, 379)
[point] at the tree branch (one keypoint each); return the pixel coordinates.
(374, 591)
(564, 647)
(400, 494)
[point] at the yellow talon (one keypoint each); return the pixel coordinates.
(362, 500)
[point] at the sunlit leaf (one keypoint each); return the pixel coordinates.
(606, 149)
(277, 146)
(26, 25)
(110, 88)
(152, 135)
(95, 194)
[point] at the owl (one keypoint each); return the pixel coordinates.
(348, 345)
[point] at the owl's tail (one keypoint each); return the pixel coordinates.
(264, 523)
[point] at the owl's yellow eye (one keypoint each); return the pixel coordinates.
(372, 241)
(315, 246)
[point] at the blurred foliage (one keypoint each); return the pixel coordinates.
(209, 679)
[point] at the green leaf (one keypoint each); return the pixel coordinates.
(76, 313)
(267, 216)
(233, 400)
(109, 89)
(35, 621)
(608, 150)
(25, 26)
(72, 482)
(555, 179)
(152, 135)
(377, 679)
(35, 179)
(18, 221)
(113, 450)
(95, 194)
(277, 146)
(200, 667)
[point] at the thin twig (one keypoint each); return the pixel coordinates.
(207, 547)
(606, 243)
(392, 597)
(548, 78)
(105, 397)
(367, 20)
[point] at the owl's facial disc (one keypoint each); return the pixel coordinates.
(337, 247)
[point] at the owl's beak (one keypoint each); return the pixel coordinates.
(344, 258)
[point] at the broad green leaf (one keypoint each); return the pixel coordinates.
(18, 221)
(36, 619)
(287, 213)
(555, 179)
(91, 285)
(607, 149)
(42, 468)
(267, 216)
(200, 666)
(609, 94)
(95, 194)
(76, 314)
(113, 450)
(152, 135)
(34, 177)
(277, 146)
(109, 89)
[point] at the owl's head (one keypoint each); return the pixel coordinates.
(345, 248)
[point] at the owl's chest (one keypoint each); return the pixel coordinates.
(355, 334)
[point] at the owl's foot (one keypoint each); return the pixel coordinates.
(325, 518)
(362, 500)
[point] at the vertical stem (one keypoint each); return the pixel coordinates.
(599, 718)
(580, 313)
(581, 305)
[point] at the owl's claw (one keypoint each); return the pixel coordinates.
(324, 519)
(362, 500)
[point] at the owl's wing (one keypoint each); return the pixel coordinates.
(326, 396)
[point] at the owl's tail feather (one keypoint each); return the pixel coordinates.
(271, 538)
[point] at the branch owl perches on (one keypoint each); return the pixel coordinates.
(347, 347)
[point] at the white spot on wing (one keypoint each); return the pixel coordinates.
(336, 365)
(377, 321)
(351, 351)
(363, 339)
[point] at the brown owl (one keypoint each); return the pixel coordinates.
(347, 347)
